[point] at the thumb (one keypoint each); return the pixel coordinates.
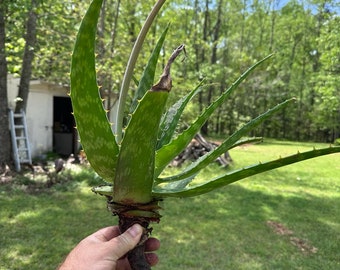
(125, 242)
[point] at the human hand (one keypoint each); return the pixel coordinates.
(105, 250)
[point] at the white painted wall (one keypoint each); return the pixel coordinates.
(39, 112)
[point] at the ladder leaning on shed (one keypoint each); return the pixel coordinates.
(20, 142)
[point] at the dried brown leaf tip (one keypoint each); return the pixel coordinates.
(165, 82)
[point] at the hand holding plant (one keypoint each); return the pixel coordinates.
(106, 250)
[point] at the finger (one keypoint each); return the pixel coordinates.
(152, 244)
(125, 242)
(151, 258)
(106, 234)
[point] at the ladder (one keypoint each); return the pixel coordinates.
(20, 143)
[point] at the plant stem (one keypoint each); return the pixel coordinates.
(136, 256)
(118, 124)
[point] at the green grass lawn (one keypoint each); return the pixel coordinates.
(285, 219)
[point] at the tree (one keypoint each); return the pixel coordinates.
(5, 155)
(327, 81)
(223, 38)
(26, 71)
(5, 150)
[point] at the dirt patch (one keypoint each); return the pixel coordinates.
(33, 179)
(303, 245)
(279, 228)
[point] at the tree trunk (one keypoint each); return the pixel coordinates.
(213, 58)
(204, 128)
(26, 71)
(5, 147)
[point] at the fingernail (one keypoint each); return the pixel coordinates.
(135, 230)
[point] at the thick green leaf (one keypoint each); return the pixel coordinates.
(171, 117)
(231, 177)
(247, 141)
(238, 143)
(148, 76)
(128, 74)
(104, 190)
(168, 152)
(93, 126)
(176, 185)
(135, 167)
(205, 160)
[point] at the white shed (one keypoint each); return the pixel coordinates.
(49, 120)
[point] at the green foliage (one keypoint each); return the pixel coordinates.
(327, 85)
(303, 36)
(135, 162)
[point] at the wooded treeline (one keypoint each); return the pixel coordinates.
(223, 38)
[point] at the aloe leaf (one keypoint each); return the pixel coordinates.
(135, 81)
(168, 152)
(92, 124)
(176, 185)
(147, 79)
(238, 143)
(231, 177)
(135, 167)
(171, 117)
(205, 160)
(104, 190)
(130, 67)
(247, 141)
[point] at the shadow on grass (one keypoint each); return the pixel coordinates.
(228, 229)
(225, 229)
(38, 230)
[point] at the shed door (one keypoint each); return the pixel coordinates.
(64, 135)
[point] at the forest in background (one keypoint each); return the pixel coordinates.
(223, 38)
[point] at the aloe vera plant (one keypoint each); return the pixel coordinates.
(131, 159)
